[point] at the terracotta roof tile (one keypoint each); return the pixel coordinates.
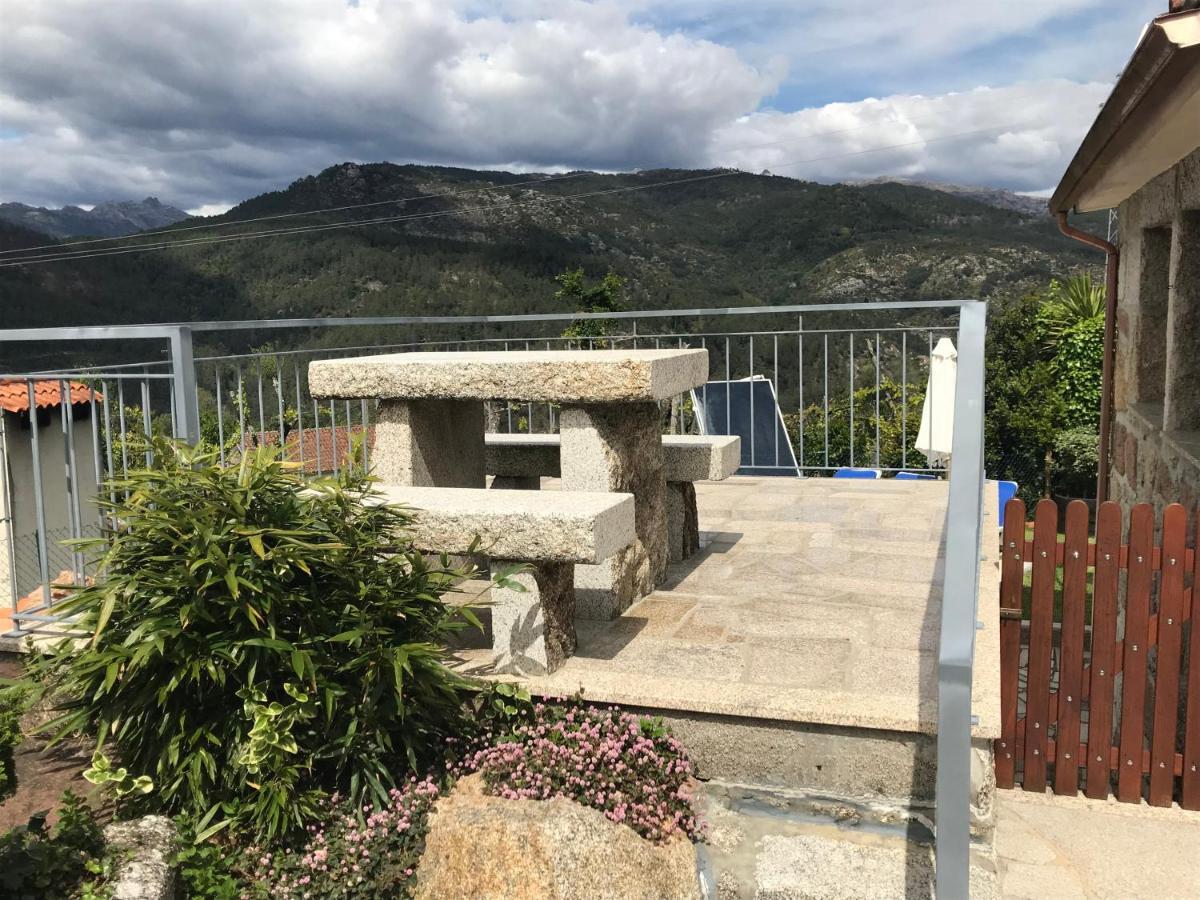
(14, 394)
(334, 442)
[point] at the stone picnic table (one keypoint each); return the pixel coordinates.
(430, 427)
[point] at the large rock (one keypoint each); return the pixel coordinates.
(487, 847)
(143, 848)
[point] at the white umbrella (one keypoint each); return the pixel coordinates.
(937, 414)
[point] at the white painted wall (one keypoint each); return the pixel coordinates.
(19, 535)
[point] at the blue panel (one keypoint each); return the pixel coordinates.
(1008, 490)
(915, 476)
(730, 407)
(847, 472)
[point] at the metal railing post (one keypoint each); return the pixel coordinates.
(183, 385)
(960, 589)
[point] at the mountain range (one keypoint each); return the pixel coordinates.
(112, 219)
(459, 241)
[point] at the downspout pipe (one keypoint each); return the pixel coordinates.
(1110, 344)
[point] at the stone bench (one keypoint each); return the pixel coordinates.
(533, 630)
(520, 461)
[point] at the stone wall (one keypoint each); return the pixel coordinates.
(1156, 400)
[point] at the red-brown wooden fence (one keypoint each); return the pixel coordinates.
(1093, 686)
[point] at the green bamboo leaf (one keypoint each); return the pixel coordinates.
(106, 608)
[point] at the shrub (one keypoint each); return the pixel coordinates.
(627, 767)
(66, 861)
(259, 640)
(1076, 461)
(14, 700)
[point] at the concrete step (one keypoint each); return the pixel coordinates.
(768, 844)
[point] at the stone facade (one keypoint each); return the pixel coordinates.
(1155, 450)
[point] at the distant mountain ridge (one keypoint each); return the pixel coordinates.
(997, 197)
(112, 219)
(447, 241)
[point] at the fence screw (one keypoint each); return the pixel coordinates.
(1129, 762)
(1139, 559)
(1170, 621)
(1162, 765)
(1099, 759)
(1075, 554)
(1068, 700)
(1135, 648)
(1037, 752)
(1067, 755)
(1043, 554)
(1101, 673)
(1108, 556)
(1172, 560)
(1037, 724)
(1012, 543)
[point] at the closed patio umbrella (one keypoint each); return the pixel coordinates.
(937, 414)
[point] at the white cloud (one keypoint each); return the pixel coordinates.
(1021, 136)
(210, 209)
(196, 103)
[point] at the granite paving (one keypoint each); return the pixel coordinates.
(811, 600)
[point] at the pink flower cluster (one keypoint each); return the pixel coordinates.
(349, 856)
(627, 767)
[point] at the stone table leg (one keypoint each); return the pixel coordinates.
(617, 447)
(432, 443)
(533, 630)
(683, 520)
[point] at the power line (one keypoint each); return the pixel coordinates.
(504, 205)
(57, 247)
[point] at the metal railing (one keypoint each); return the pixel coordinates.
(848, 381)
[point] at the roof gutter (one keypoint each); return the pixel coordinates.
(1142, 129)
(1110, 344)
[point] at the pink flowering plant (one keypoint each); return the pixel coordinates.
(350, 854)
(628, 767)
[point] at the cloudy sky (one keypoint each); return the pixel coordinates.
(206, 102)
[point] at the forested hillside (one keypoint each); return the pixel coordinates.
(735, 240)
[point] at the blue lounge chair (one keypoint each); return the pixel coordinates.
(915, 476)
(847, 472)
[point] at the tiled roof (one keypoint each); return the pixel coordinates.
(334, 442)
(14, 394)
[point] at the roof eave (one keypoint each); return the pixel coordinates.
(1157, 90)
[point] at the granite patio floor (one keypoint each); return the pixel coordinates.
(814, 600)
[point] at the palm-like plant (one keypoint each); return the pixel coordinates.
(1078, 299)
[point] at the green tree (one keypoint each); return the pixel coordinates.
(1044, 359)
(605, 295)
(894, 425)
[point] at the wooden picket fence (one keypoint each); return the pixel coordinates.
(1084, 703)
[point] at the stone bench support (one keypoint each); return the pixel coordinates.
(430, 442)
(519, 461)
(617, 447)
(533, 630)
